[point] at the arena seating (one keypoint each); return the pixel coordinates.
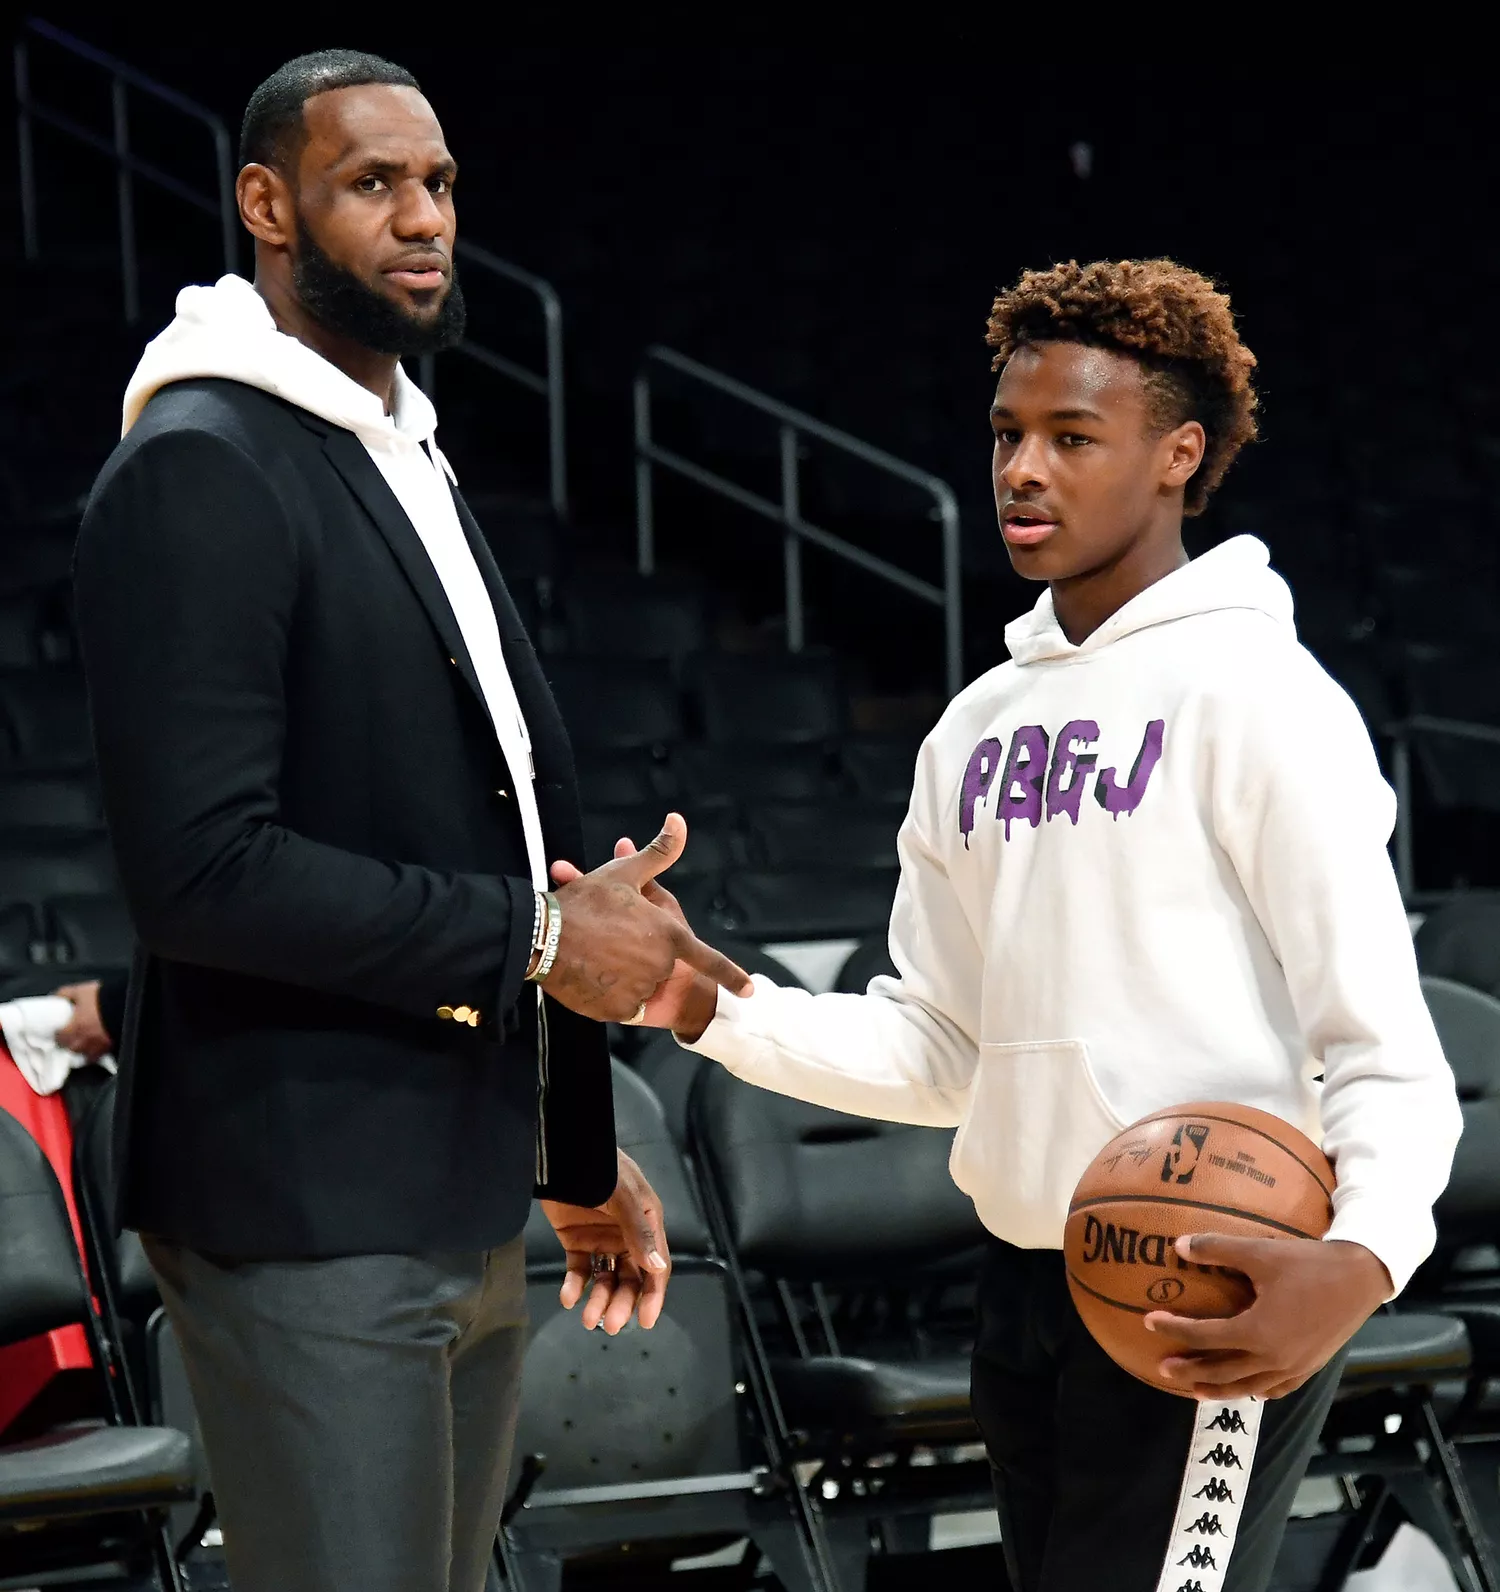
(645, 1439)
(868, 959)
(857, 1319)
(1381, 509)
(94, 1492)
(848, 1334)
(1461, 941)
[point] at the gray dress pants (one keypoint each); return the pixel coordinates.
(357, 1413)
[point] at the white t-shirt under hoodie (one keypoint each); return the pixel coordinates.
(1136, 872)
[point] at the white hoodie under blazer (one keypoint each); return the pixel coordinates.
(227, 331)
(1136, 872)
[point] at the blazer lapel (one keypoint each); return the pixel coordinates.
(364, 479)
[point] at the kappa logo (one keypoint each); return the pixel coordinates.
(1227, 1420)
(1191, 1586)
(1207, 1525)
(1216, 1490)
(1222, 1455)
(1182, 1159)
(1200, 1558)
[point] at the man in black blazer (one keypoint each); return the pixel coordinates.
(361, 1032)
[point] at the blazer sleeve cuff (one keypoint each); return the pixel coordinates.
(517, 944)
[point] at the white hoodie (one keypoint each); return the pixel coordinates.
(1140, 871)
(227, 331)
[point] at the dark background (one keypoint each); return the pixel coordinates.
(831, 222)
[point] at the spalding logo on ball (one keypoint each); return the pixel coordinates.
(1201, 1168)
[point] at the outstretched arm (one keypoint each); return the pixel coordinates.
(904, 1052)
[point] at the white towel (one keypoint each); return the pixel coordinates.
(30, 1027)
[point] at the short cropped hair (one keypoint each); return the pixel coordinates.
(1176, 323)
(273, 130)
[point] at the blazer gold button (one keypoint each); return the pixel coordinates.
(446, 1013)
(461, 1014)
(504, 795)
(473, 1018)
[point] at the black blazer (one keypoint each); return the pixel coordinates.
(320, 850)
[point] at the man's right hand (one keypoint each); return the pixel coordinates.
(618, 946)
(686, 1000)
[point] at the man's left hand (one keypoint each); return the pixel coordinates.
(1311, 1297)
(84, 1032)
(628, 1227)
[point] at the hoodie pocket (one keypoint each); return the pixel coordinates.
(1036, 1119)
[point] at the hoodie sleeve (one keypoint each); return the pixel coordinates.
(186, 582)
(1304, 815)
(906, 1050)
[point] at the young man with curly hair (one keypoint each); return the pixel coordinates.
(1144, 863)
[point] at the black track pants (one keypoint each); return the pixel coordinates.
(1102, 1481)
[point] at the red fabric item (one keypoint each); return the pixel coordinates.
(27, 1367)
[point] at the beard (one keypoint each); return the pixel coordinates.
(341, 303)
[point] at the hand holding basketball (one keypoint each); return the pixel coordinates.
(1204, 1224)
(1311, 1297)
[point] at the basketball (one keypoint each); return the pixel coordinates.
(1197, 1168)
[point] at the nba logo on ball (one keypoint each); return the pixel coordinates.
(1200, 1168)
(1182, 1158)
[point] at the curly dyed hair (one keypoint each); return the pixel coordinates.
(1175, 322)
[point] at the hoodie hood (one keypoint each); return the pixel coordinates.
(1235, 574)
(227, 331)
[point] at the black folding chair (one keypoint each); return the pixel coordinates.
(1385, 1443)
(1460, 940)
(669, 1070)
(645, 1445)
(859, 1321)
(806, 903)
(152, 1376)
(88, 1494)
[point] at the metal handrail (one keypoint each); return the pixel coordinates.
(117, 148)
(794, 424)
(1402, 732)
(548, 384)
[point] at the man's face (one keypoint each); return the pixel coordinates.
(1080, 471)
(375, 220)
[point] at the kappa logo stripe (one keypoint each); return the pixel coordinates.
(1207, 1518)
